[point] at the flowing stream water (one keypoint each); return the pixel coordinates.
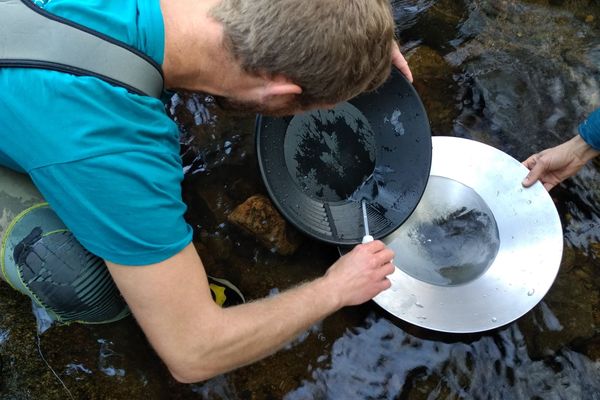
(518, 75)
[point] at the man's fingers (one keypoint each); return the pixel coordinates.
(377, 252)
(400, 62)
(402, 65)
(374, 246)
(385, 284)
(383, 258)
(389, 268)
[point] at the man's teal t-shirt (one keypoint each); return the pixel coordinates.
(106, 160)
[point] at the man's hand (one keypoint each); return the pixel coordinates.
(556, 164)
(361, 274)
(400, 62)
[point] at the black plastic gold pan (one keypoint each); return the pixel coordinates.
(319, 166)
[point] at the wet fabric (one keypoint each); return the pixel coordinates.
(40, 258)
(106, 160)
(590, 130)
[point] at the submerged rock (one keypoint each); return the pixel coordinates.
(258, 217)
(567, 315)
(436, 87)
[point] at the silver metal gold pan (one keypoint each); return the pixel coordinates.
(480, 250)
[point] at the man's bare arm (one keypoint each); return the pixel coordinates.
(197, 339)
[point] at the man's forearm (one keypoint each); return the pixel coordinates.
(197, 339)
(243, 334)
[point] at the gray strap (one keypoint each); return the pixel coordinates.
(32, 37)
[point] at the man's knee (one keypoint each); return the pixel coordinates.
(43, 260)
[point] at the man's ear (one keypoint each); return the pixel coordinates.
(281, 86)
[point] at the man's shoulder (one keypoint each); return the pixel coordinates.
(137, 24)
(66, 117)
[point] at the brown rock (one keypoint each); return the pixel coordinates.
(258, 217)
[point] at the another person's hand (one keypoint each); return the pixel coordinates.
(361, 274)
(554, 165)
(400, 62)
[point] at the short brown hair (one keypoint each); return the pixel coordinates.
(333, 49)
